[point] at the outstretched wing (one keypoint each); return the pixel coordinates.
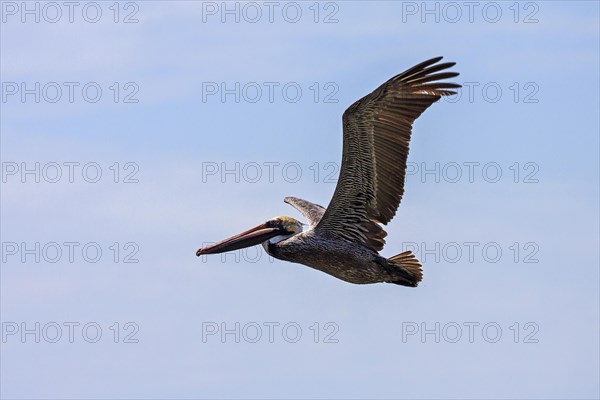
(311, 211)
(377, 131)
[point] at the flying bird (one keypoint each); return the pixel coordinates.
(344, 240)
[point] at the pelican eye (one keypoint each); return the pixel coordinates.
(275, 223)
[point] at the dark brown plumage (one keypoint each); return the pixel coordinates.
(377, 130)
(344, 239)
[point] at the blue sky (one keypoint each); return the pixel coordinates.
(514, 257)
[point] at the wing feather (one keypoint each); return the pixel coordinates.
(377, 131)
(311, 211)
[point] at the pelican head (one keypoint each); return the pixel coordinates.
(272, 231)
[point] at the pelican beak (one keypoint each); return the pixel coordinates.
(251, 237)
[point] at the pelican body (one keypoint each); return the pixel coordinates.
(344, 240)
(343, 259)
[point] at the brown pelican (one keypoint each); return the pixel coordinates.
(344, 239)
